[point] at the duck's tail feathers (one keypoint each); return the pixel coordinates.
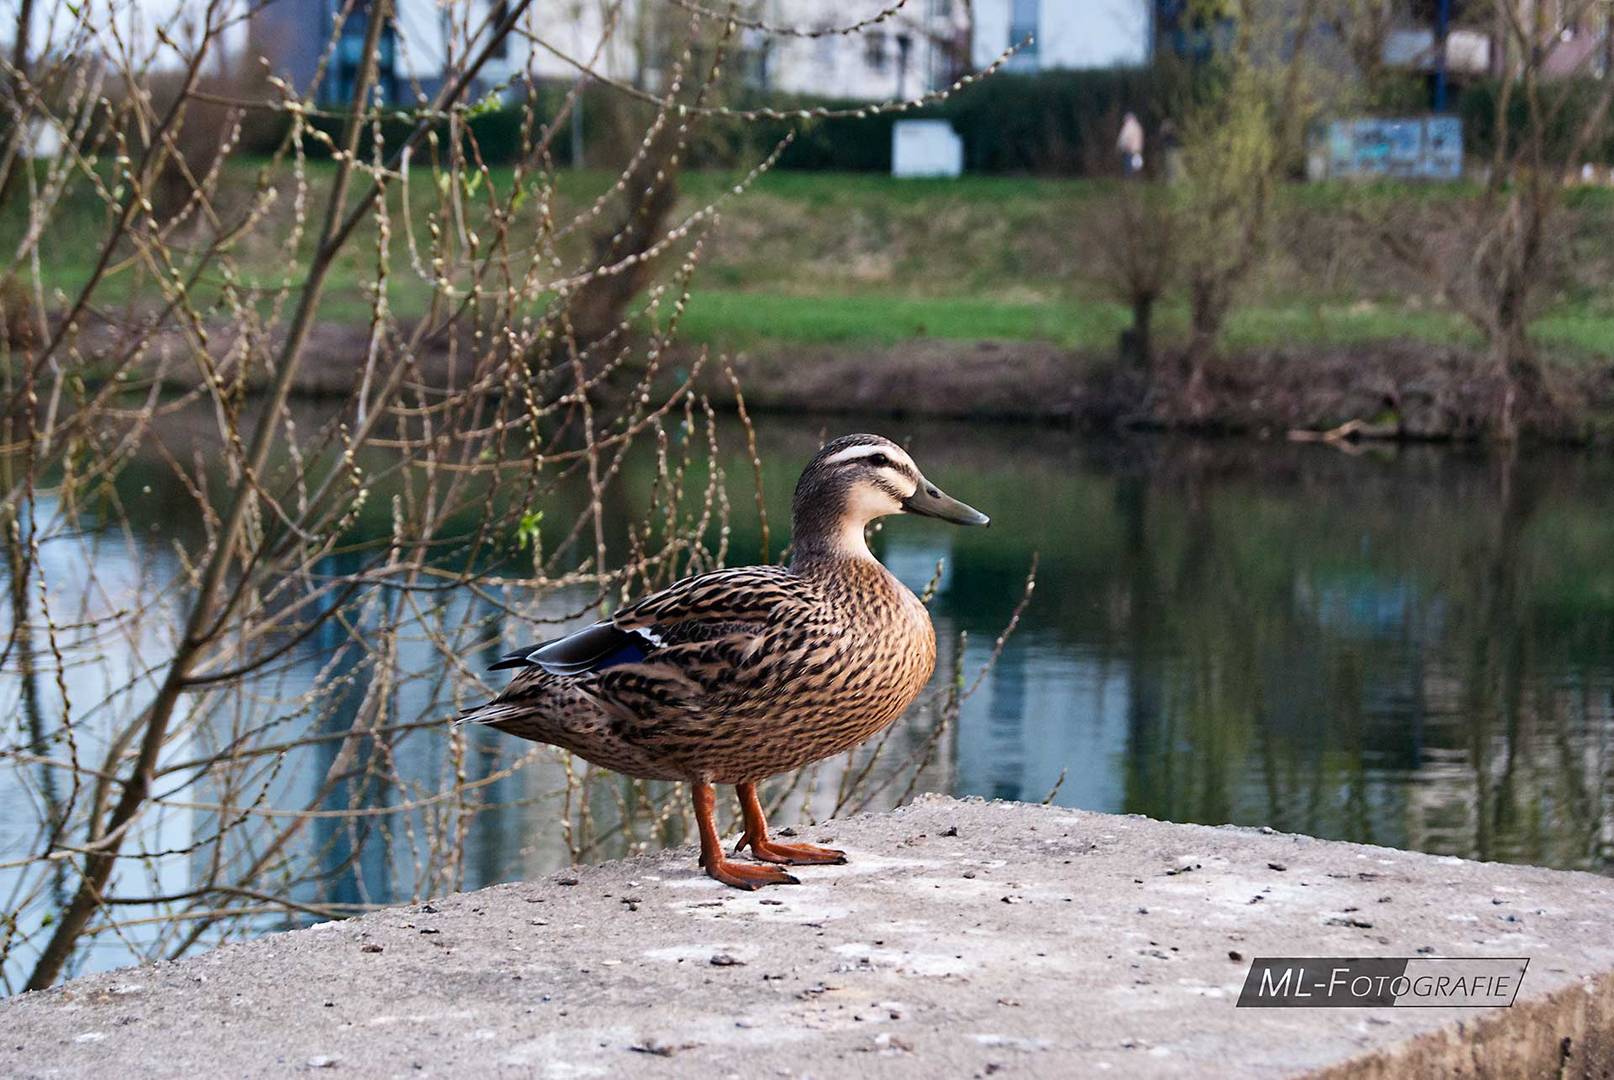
(490, 713)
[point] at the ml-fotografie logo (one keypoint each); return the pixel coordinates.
(1380, 982)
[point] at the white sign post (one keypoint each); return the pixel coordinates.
(926, 148)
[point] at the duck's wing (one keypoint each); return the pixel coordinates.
(725, 605)
(579, 653)
(743, 594)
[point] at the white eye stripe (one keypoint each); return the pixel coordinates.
(852, 453)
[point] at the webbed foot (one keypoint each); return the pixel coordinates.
(793, 854)
(748, 876)
(756, 837)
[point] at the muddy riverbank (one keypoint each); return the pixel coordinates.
(1390, 390)
(1408, 391)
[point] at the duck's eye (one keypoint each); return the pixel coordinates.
(879, 461)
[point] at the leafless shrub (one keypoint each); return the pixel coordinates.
(1495, 256)
(180, 776)
(1239, 133)
(1133, 235)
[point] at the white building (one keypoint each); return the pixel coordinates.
(920, 48)
(923, 46)
(1067, 34)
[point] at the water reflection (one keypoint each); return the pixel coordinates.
(1406, 647)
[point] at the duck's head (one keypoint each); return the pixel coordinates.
(856, 479)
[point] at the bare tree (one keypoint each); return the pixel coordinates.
(16, 119)
(471, 479)
(1363, 27)
(1134, 238)
(1493, 257)
(1241, 124)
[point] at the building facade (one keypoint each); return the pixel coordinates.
(1065, 34)
(425, 39)
(923, 46)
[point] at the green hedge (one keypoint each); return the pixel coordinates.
(1059, 123)
(1051, 123)
(1062, 122)
(1065, 122)
(611, 125)
(1478, 103)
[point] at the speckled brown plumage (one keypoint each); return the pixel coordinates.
(738, 675)
(772, 668)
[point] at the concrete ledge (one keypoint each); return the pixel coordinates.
(964, 939)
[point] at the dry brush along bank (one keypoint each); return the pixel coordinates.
(152, 732)
(1407, 391)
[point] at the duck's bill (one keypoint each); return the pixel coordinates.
(932, 501)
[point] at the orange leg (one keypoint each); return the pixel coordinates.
(739, 875)
(756, 837)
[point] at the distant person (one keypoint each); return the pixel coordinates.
(1130, 145)
(1171, 151)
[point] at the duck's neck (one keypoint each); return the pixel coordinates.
(825, 539)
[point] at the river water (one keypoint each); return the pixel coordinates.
(1404, 646)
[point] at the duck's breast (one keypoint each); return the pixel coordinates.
(888, 647)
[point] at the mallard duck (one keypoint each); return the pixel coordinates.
(737, 675)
